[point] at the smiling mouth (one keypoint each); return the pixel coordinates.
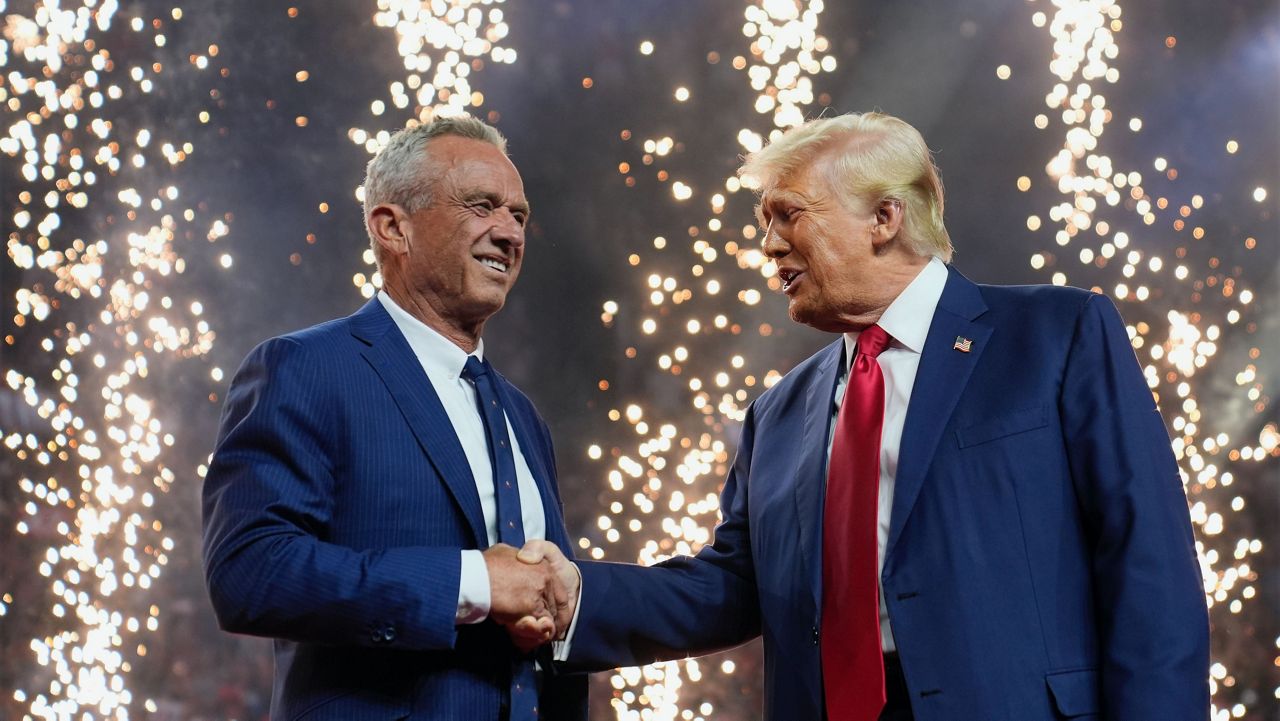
(789, 278)
(498, 265)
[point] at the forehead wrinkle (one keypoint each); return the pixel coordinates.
(484, 179)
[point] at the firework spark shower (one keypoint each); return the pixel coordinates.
(181, 182)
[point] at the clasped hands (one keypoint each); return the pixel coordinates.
(532, 592)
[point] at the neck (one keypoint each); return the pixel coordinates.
(893, 280)
(464, 335)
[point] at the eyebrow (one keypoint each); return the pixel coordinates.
(496, 200)
(774, 198)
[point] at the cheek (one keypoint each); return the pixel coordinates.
(818, 251)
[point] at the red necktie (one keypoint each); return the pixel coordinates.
(852, 659)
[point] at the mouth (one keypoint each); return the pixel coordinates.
(789, 277)
(498, 264)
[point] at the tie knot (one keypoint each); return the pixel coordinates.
(474, 368)
(873, 341)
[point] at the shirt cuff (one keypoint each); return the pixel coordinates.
(473, 589)
(560, 649)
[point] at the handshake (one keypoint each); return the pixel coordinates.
(533, 592)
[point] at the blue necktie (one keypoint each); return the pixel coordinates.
(524, 692)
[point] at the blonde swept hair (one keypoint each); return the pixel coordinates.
(870, 156)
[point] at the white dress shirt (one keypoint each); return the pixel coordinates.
(907, 320)
(443, 362)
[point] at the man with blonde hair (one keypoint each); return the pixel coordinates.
(966, 507)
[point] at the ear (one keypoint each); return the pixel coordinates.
(389, 226)
(889, 216)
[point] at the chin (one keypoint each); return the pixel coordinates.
(802, 314)
(483, 307)
(816, 318)
(490, 306)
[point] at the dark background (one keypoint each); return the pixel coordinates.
(931, 63)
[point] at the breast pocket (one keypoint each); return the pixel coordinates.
(1003, 426)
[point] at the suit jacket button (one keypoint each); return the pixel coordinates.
(389, 634)
(376, 636)
(815, 635)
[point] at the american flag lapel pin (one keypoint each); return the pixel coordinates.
(964, 345)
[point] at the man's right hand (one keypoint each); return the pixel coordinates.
(566, 573)
(523, 597)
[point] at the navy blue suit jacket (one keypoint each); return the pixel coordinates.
(1040, 563)
(335, 509)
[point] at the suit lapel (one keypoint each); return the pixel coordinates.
(940, 379)
(811, 472)
(393, 360)
(537, 456)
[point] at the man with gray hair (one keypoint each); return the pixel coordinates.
(964, 508)
(374, 476)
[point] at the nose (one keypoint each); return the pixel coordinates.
(507, 230)
(773, 245)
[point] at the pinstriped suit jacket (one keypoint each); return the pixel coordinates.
(335, 507)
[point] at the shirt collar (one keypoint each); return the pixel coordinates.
(438, 355)
(908, 317)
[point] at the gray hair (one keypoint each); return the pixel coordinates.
(395, 175)
(874, 157)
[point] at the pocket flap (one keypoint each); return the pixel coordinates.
(1019, 421)
(1074, 692)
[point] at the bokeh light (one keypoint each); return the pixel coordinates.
(1191, 316)
(94, 234)
(123, 259)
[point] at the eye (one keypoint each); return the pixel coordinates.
(482, 207)
(784, 214)
(521, 217)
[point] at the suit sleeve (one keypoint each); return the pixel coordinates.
(685, 606)
(1150, 601)
(267, 502)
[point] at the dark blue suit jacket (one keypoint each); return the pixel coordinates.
(335, 508)
(1040, 562)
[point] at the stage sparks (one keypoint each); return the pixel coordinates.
(1190, 307)
(101, 296)
(121, 271)
(697, 315)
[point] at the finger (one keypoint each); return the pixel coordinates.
(534, 551)
(551, 596)
(560, 592)
(564, 619)
(546, 628)
(528, 633)
(552, 553)
(537, 628)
